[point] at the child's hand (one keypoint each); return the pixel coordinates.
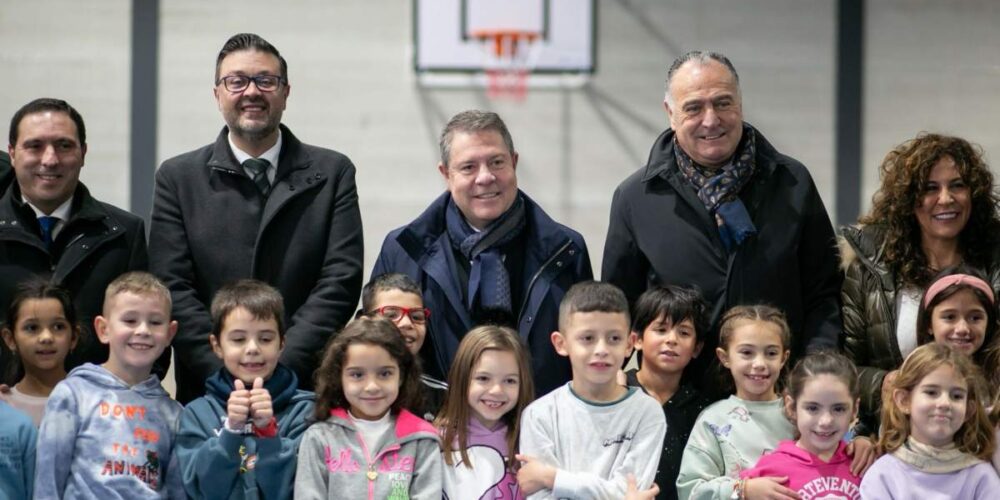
(633, 493)
(863, 451)
(533, 475)
(769, 488)
(238, 407)
(260, 404)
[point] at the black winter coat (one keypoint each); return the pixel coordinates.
(661, 234)
(98, 243)
(210, 226)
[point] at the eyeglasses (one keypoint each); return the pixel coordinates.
(239, 83)
(396, 313)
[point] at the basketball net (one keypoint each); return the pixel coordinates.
(509, 57)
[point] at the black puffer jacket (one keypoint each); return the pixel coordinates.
(869, 298)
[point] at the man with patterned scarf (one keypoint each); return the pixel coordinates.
(484, 252)
(719, 208)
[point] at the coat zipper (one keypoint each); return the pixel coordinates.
(372, 474)
(531, 284)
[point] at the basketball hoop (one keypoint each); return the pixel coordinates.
(509, 56)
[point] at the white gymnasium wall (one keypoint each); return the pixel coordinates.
(930, 66)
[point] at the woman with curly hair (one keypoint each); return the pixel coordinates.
(936, 208)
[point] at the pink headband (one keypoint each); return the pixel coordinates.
(957, 279)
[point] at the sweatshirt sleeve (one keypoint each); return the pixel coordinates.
(276, 456)
(428, 472)
(310, 474)
(642, 459)
(56, 443)
(174, 482)
(210, 463)
(703, 470)
(30, 441)
(536, 441)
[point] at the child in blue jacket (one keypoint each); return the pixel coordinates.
(241, 438)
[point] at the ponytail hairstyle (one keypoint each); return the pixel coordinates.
(814, 365)
(739, 314)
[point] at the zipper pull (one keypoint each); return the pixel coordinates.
(371, 472)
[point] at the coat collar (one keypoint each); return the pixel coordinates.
(542, 234)
(292, 157)
(425, 241)
(662, 162)
(867, 245)
(84, 207)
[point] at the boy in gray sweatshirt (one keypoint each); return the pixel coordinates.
(584, 439)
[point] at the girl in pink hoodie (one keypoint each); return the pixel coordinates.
(821, 400)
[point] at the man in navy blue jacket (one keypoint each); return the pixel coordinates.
(484, 252)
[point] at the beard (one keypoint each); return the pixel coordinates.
(253, 129)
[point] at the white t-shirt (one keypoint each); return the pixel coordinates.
(906, 320)
(373, 430)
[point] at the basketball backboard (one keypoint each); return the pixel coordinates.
(457, 42)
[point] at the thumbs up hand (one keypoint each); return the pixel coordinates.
(260, 404)
(238, 407)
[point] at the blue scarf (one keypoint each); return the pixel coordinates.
(719, 190)
(488, 278)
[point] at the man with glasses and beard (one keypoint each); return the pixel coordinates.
(256, 203)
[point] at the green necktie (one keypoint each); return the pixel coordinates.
(259, 169)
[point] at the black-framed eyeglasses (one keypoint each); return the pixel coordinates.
(239, 83)
(396, 313)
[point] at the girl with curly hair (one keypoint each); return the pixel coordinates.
(936, 208)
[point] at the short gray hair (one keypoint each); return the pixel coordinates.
(473, 121)
(701, 58)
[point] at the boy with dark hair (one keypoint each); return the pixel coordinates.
(397, 297)
(666, 332)
(240, 439)
(584, 439)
